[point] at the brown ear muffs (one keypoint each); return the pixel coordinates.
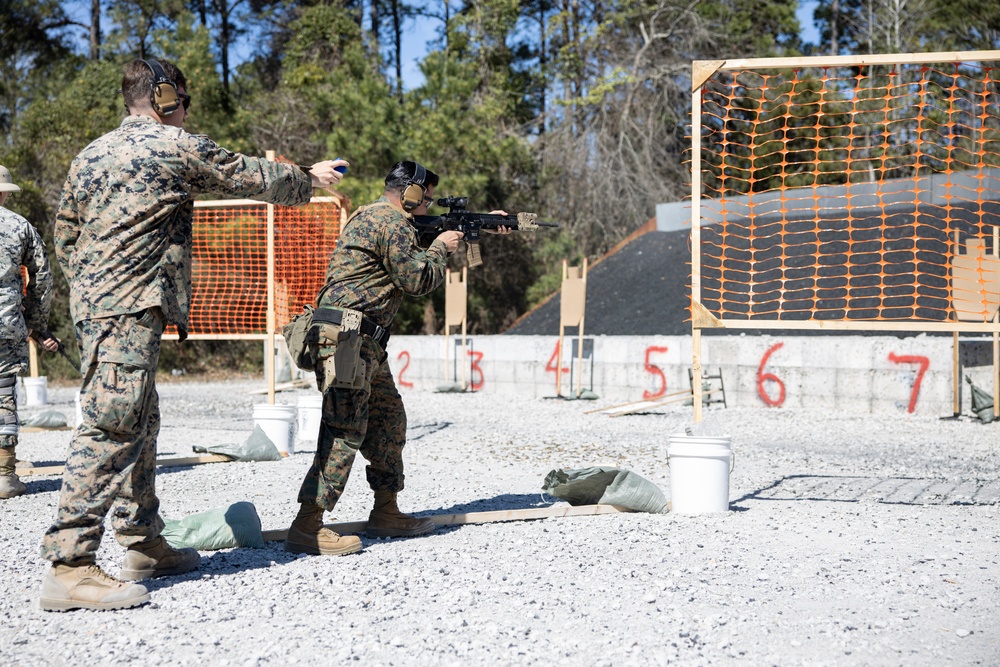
(162, 92)
(413, 194)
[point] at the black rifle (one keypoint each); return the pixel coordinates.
(39, 336)
(459, 219)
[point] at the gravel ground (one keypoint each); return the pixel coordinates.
(850, 542)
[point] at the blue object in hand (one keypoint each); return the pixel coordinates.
(341, 169)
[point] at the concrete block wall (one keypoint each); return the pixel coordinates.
(857, 373)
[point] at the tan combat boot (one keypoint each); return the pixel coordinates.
(156, 558)
(308, 536)
(387, 521)
(10, 484)
(87, 587)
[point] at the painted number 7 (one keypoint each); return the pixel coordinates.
(924, 363)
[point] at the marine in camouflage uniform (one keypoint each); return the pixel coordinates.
(123, 240)
(21, 310)
(376, 263)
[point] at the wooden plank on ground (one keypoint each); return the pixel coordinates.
(294, 384)
(40, 429)
(161, 463)
(351, 527)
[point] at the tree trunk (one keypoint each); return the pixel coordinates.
(375, 22)
(398, 41)
(834, 20)
(95, 29)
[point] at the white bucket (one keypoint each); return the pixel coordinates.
(277, 422)
(79, 408)
(699, 473)
(35, 390)
(310, 416)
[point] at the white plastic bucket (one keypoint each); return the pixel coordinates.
(310, 416)
(277, 422)
(35, 390)
(79, 408)
(699, 473)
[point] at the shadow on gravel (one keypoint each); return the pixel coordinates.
(230, 561)
(887, 490)
(505, 501)
(42, 485)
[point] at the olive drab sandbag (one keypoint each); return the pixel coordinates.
(301, 339)
(605, 486)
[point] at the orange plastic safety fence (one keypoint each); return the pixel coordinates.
(854, 193)
(229, 263)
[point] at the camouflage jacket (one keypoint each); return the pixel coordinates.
(21, 245)
(377, 261)
(123, 229)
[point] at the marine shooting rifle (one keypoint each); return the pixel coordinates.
(459, 219)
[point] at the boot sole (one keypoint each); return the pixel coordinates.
(48, 604)
(292, 547)
(395, 532)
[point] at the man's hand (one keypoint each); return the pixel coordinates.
(499, 230)
(324, 174)
(450, 240)
(49, 342)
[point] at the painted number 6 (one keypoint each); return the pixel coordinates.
(763, 377)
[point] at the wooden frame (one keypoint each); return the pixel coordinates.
(702, 71)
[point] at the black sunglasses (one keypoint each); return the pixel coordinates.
(185, 100)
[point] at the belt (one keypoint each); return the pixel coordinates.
(376, 332)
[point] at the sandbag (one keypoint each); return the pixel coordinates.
(46, 419)
(605, 486)
(258, 447)
(235, 526)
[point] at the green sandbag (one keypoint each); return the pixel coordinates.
(258, 447)
(46, 419)
(605, 486)
(235, 526)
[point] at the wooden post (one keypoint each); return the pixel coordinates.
(559, 346)
(32, 358)
(583, 313)
(269, 357)
(696, 250)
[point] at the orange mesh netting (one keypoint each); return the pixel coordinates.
(851, 193)
(229, 265)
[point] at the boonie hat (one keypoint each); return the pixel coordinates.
(6, 181)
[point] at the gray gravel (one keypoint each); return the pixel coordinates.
(851, 541)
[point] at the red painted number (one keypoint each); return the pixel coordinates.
(924, 364)
(406, 364)
(763, 377)
(655, 370)
(550, 367)
(476, 358)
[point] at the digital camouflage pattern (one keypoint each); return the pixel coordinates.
(370, 419)
(376, 262)
(20, 309)
(21, 245)
(123, 228)
(112, 455)
(13, 361)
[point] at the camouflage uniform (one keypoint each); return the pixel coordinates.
(20, 245)
(376, 262)
(123, 239)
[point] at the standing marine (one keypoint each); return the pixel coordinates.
(123, 240)
(23, 312)
(376, 263)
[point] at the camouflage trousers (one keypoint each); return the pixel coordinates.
(112, 455)
(370, 420)
(13, 362)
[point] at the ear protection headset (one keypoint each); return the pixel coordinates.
(413, 194)
(162, 92)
